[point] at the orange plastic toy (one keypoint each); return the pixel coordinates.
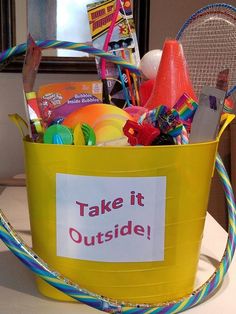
(172, 79)
(106, 120)
(92, 113)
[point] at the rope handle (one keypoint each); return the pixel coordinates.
(40, 268)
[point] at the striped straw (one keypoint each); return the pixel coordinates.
(184, 136)
(40, 268)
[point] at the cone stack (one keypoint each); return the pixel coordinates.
(172, 79)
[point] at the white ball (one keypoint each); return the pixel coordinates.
(150, 62)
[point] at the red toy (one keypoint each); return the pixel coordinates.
(140, 134)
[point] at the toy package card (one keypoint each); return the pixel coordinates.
(58, 100)
(123, 42)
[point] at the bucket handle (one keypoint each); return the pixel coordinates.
(40, 268)
(226, 119)
(20, 123)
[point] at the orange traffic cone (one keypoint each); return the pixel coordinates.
(172, 79)
(145, 90)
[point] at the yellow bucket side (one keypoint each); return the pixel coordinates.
(188, 170)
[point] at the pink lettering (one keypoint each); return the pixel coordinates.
(126, 229)
(93, 211)
(98, 13)
(117, 203)
(102, 22)
(86, 241)
(105, 206)
(140, 197)
(75, 235)
(108, 236)
(139, 230)
(81, 207)
(99, 237)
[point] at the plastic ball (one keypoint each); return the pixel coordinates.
(150, 62)
(228, 105)
(106, 120)
(92, 113)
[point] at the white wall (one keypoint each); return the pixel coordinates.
(167, 17)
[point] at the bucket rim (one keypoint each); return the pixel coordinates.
(128, 147)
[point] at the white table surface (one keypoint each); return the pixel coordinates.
(19, 295)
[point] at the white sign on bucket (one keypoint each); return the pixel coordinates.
(110, 219)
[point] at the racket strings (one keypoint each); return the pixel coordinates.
(209, 44)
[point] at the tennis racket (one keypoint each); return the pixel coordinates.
(208, 38)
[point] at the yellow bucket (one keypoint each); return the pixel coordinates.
(150, 258)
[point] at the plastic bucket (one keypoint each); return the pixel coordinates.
(185, 176)
(187, 172)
